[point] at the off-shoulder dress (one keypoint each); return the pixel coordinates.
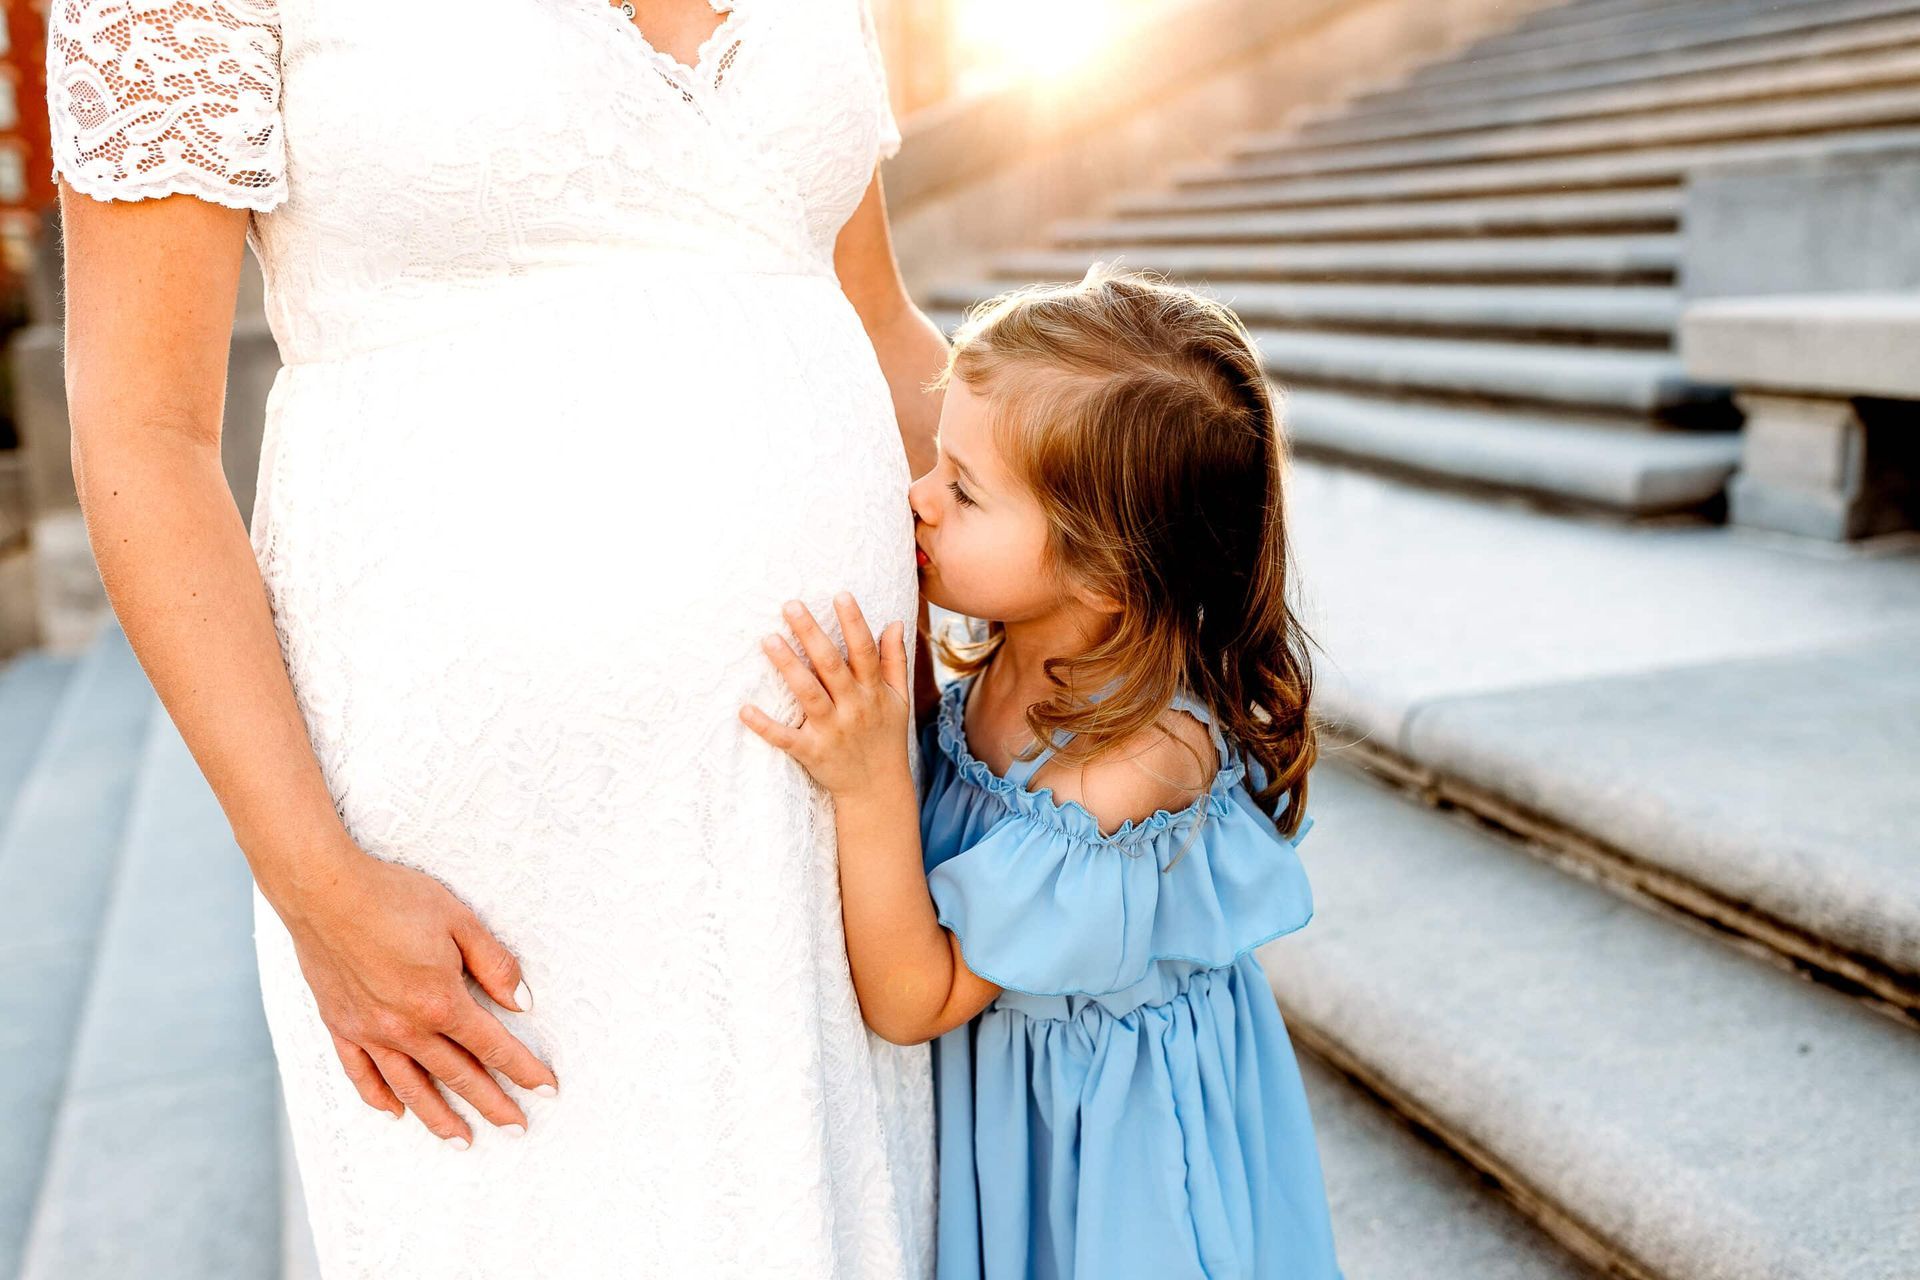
(1130, 1106)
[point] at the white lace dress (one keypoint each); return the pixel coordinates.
(571, 402)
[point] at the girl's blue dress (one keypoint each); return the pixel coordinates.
(1130, 1106)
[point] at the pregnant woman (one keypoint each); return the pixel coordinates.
(594, 351)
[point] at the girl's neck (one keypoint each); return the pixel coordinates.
(1019, 665)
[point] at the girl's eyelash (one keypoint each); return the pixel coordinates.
(958, 495)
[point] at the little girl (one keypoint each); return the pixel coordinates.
(1116, 1095)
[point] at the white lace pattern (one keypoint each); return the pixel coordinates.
(571, 402)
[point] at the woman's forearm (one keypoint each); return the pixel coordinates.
(174, 555)
(912, 352)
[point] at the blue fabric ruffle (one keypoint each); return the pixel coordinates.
(1046, 904)
(1129, 1106)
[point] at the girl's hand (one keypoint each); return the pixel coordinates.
(853, 730)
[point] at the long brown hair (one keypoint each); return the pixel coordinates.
(1138, 414)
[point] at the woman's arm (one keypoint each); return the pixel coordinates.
(907, 969)
(911, 348)
(912, 351)
(151, 287)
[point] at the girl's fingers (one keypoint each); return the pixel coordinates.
(893, 660)
(828, 665)
(863, 657)
(813, 699)
(780, 735)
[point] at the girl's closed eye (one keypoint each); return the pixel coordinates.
(959, 494)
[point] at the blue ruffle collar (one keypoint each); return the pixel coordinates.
(1070, 816)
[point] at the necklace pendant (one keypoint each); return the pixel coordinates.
(626, 7)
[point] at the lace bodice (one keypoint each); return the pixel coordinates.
(537, 135)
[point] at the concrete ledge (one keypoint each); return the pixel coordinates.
(1776, 787)
(1401, 1209)
(1675, 1107)
(1830, 387)
(1837, 344)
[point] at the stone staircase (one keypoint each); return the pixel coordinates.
(1475, 277)
(141, 1100)
(1616, 882)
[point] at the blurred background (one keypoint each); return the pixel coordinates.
(1598, 324)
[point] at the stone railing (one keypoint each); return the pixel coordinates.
(1802, 277)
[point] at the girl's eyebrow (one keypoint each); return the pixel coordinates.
(965, 470)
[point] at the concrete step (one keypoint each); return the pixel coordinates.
(1640, 383)
(1597, 379)
(1557, 459)
(1825, 113)
(1674, 787)
(1403, 1210)
(1572, 14)
(1250, 185)
(1821, 62)
(1618, 30)
(1718, 27)
(1654, 209)
(1844, 27)
(1668, 1105)
(165, 1159)
(58, 852)
(1640, 259)
(1640, 313)
(32, 686)
(1581, 12)
(1594, 379)
(1717, 678)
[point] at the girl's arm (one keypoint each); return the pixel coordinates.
(907, 969)
(912, 351)
(913, 984)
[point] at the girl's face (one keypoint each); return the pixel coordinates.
(981, 533)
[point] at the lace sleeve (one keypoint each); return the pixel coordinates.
(150, 98)
(889, 127)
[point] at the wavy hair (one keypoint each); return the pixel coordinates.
(1138, 414)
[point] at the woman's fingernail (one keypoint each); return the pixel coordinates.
(523, 998)
(514, 1130)
(458, 1143)
(546, 1091)
(401, 1114)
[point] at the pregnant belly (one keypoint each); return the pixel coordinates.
(519, 572)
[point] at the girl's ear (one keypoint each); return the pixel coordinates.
(1098, 601)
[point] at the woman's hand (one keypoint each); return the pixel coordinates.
(383, 947)
(853, 732)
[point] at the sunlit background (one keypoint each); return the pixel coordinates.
(998, 41)
(940, 49)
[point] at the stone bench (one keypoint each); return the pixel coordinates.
(1830, 385)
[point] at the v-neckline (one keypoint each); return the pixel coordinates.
(703, 55)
